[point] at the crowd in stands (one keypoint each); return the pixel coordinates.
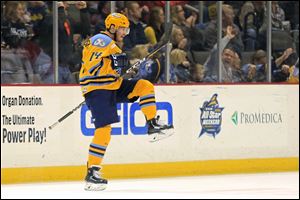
(27, 40)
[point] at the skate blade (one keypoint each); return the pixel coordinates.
(94, 187)
(162, 135)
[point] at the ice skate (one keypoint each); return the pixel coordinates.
(157, 131)
(93, 179)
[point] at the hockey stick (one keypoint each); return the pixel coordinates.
(66, 115)
(164, 41)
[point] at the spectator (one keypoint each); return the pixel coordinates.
(181, 65)
(247, 22)
(256, 70)
(291, 12)
(151, 4)
(178, 17)
(230, 66)
(41, 69)
(79, 17)
(68, 35)
(66, 39)
(38, 10)
(137, 34)
(14, 29)
(43, 26)
(278, 16)
(140, 51)
(65, 44)
(285, 66)
(172, 74)
(178, 39)
(155, 28)
(26, 16)
(210, 32)
(148, 5)
(15, 59)
(188, 27)
(198, 72)
(180, 42)
(98, 20)
(16, 67)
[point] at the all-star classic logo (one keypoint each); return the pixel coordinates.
(211, 117)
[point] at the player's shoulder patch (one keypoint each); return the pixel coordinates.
(100, 40)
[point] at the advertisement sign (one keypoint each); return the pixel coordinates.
(211, 122)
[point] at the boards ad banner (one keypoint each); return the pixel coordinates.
(211, 122)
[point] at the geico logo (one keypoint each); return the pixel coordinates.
(131, 119)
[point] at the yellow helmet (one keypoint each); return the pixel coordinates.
(116, 19)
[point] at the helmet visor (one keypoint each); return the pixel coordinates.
(124, 30)
(127, 30)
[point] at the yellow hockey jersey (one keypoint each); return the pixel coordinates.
(96, 71)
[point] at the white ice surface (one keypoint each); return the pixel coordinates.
(239, 186)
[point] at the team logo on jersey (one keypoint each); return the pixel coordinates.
(99, 42)
(211, 117)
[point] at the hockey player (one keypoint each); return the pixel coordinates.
(103, 87)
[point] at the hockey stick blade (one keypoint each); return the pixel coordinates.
(162, 135)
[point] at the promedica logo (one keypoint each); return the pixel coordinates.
(256, 118)
(234, 118)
